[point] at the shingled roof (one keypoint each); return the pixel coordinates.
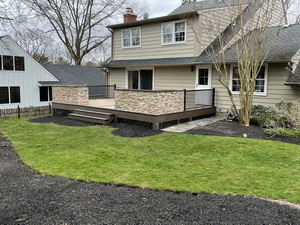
(294, 78)
(75, 75)
(283, 44)
(208, 4)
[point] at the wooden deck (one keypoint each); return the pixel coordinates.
(107, 106)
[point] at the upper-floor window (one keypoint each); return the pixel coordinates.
(8, 62)
(131, 37)
(260, 83)
(173, 32)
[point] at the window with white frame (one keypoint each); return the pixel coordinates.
(260, 83)
(131, 37)
(174, 32)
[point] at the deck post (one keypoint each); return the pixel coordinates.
(155, 126)
(184, 99)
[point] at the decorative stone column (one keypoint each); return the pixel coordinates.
(72, 94)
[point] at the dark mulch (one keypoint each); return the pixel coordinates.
(31, 198)
(123, 130)
(234, 129)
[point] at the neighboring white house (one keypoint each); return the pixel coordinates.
(20, 75)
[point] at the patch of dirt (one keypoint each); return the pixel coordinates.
(234, 129)
(126, 130)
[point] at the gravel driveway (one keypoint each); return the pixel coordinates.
(27, 197)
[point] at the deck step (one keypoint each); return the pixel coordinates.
(90, 119)
(85, 112)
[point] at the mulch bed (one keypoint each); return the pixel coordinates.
(234, 129)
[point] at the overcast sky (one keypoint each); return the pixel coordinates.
(163, 7)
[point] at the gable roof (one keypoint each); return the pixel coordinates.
(207, 4)
(283, 45)
(75, 75)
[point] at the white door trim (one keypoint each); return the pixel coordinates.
(208, 86)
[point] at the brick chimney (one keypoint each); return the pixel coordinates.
(129, 16)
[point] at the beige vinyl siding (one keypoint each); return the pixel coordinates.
(151, 46)
(276, 90)
(212, 22)
(174, 78)
(117, 77)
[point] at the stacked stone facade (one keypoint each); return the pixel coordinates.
(149, 102)
(77, 95)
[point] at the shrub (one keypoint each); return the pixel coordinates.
(287, 132)
(290, 111)
(268, 117)
(284, 120)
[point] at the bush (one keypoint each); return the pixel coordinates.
(284, 120)
(290, 111)
(287, 132)
(268, 117)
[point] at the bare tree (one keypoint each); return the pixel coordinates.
(241, 32)
(79, 24)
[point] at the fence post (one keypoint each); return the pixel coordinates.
(50, 110)
(184, 99)
(19, 112)
(115, 86)
(213, 96)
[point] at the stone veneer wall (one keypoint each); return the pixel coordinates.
(77, 95)
(149, 102)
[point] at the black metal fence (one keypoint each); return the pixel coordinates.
(198, 98)
(102, 92)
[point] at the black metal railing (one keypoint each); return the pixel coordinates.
(102, 91)
(198, 98)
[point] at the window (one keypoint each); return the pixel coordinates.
(45, 94)
(131, 37)
(19, 63)
(9, 95)
(173, 32)
(8, 62)
(15, 95)
(203, 77)
(260, 83)
(4, 97)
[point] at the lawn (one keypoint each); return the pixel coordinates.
(181, 162)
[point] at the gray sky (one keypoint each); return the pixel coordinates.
(163, 7)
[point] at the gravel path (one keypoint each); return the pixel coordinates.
(31, 198)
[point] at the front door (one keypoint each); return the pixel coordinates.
(203, 82)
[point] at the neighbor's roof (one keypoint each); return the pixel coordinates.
(74, 75)
(283, 45)
(208, 4)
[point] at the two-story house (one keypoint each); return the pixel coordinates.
(168, 53)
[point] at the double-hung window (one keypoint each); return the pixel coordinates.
(260, 83)
(131, 38)
(174, 32)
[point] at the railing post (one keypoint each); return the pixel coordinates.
(184, 99)
(115, 86)
(213, 96)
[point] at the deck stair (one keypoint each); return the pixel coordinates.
(92, 116)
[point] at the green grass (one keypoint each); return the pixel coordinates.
(181, 162)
